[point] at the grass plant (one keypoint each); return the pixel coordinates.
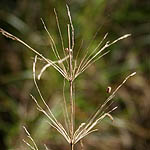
(70, 67)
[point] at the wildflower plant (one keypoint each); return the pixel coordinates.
(70, 67)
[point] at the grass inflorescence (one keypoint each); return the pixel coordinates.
(70, 67)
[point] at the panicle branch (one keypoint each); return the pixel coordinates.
(86, 128)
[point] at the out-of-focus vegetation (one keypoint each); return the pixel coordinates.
(131, 127)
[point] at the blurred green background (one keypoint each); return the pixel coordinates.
(131, 127)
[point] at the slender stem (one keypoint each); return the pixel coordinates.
(70, 47)
(72, 109)
(72, 146)
(70, 53)
(71, 87)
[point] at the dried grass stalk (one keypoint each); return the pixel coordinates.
(70, 72)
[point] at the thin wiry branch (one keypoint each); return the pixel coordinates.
(81, 137)
(107, 45)
(71, 86)
(34, 78)
(54, 124)
(72, 28)
(100, 111)
(95, 55)
(85, 128)
(63, 133)
(76, 59)
(34, 147)
(60, 33)
(8, 35)
(48, 65)
(86, 63)
(46, 148)
(28, 144)
(53, 45)
(90, 43)
(89, 128)
(61, 38)
(65, 106)
(65, 119)
(100, 43)
(110, 98)
(70, 53)
(79, 129)
(51, 117)
(84, 59)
